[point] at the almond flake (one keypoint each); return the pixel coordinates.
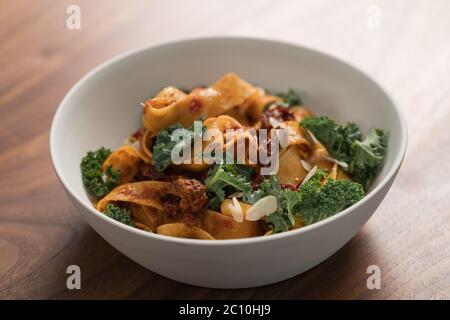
(309, 176)
(312, 136)
(306, 165)
(341, 163)
(275, 123)
(129, 140)
(263, 207)
(236, 210)
(236, 194)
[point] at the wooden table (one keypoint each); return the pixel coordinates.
(41, 233)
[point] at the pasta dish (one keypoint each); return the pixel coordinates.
(232, 160)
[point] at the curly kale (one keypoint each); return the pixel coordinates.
(164, 144)
(279, 221)
(313, 202)
(367, 156)
(225, 179)
(290, 98)
(122, 215)
(97, 182)
(163, 147)
(337, 139)
(268, 187)
(345, 143)
(284, 217)
(318, 201)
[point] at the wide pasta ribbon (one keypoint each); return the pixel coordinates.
(143, 199)
(146, 193)
(165, 110)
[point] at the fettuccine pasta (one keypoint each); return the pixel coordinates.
(199, 166)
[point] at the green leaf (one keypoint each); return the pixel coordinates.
(287, 200)
(344, 143)
(278, 221)
(290, 98)
(97, 182)
(122, 215)
(318, 202)
(268, 187)
(163, 146)
(367, 156)
(336, 139)
(225, 179)
(162, 150)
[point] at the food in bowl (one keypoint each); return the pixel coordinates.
(229, 161)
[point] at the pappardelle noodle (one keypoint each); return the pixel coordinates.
(323, 167)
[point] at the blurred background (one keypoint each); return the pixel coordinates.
(47, 45)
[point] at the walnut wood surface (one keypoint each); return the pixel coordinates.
(40, 59)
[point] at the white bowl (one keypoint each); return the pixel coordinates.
(103, 108)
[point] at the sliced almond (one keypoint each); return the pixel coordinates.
(236, 210)
(306, 165)
(275, 123)
(341, 163)
(130, 140)
(104, 177)
(263, 207)
(236, 194)
(310, 174)
(333, 172)
(312, 136)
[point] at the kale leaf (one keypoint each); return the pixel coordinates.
(367, 156)
(345, 143)
(337, 139)
(318, 201)
(225, 179)
(290, 98)
(313, 202)
(164, 145)
(97, 182)
(278, 221)
(268, 187)
(287, 200)
(122, 215)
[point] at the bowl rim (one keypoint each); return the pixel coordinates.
(220, 242)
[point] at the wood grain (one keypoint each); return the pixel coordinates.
(40, 59)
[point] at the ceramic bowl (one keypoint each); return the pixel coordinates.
(103, 108)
